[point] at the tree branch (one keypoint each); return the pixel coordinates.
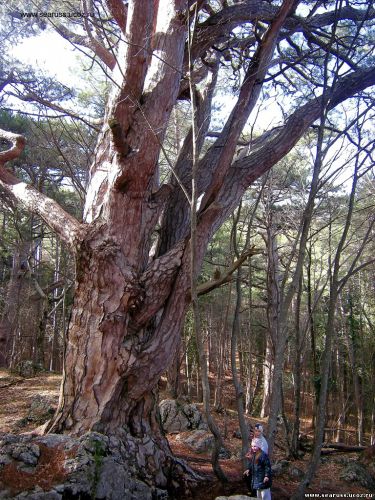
(216, 28)
(221, 153)
(17, 146)
(119, 12)
(88, 42)
(272, 147)
(157, 281)
(33, 97)
(64, 224)
(208, 286)
(132, 62)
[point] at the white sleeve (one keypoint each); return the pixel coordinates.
(264, 445)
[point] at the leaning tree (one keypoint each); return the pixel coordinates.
(132, 248)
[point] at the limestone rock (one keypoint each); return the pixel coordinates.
(296, 473)
(280, 467)
(179, 416)
(57, 467)
(199, 441)
(357, 472)
(42, 408)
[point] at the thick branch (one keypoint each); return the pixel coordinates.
(17, 146)
(217, 27)
(90, 43)
(221, 154)
(119, 12)
(208, 286)
(143, 107)
(272, 147)
(133, 60)
(157, 282)
(175, 221)
(65, 225)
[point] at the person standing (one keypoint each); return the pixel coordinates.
(258, 475)
(258, 433)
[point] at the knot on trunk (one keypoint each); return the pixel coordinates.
(134, 295)
(107, 249)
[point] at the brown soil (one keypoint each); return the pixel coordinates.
(16, 396)
(49, 472)
(17, 393)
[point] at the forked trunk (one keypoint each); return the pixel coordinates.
(109, 381)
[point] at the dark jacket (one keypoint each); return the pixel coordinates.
(258, 471)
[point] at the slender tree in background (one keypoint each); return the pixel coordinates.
(131, 296)
(338, 279)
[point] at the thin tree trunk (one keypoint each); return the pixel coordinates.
(9, 324)
(268, 370)
(312, 336)
(236, 329)
(173, 375)
(352, 342)
(373, 403)
(218, 442)
(297, 373)
(342, 396)
(55, 324)
(335, 285)
(221, 354)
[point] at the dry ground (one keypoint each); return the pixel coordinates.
(17, 394)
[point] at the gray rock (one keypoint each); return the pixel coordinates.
(199, 441)
(114, 478)
(358, 473)
(99, 467)
(59, 488)
(5, 459)
(41, 408)
(48, 495)
(224, 453)
(280, 467)
(28, 457)
(160, 494)
(296, 473)
(179, 416)
(25, 452)
(54, 440)
(26, 368)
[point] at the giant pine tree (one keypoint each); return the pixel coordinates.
(132, 248)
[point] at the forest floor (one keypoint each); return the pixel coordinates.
(18, 396)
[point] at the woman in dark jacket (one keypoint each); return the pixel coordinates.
(259, 472)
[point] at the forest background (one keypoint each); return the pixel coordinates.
(283, 301)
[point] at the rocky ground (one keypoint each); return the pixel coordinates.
(27, 403)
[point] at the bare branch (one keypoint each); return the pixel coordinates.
(89, 43)
(33, 97)
(18, 143)
(222, 152)
(208, 286)
(64, 224)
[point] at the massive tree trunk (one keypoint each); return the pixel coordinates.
(130, 303)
